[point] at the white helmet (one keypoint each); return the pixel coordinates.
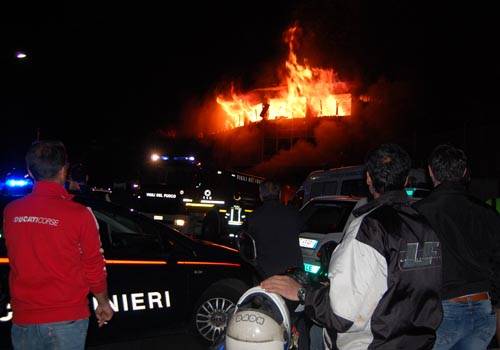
(260, 322)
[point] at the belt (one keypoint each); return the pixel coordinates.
(471, 297)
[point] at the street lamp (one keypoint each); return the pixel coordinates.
(21, 55)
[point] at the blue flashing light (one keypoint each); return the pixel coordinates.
(311, 268)
(164, 157)
(188, 158)
(18, 183)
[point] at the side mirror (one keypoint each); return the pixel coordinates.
(247, 247)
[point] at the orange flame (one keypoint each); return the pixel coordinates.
(304, 92)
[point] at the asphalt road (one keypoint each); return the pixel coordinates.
(180, 341)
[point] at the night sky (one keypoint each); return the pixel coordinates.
(105, 78)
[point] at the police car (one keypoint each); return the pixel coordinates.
(159, 280)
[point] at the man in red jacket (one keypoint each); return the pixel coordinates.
(55, 259)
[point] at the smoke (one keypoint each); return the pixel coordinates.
(346, 143)
(379, 112)
(201, 117)
(378, 116)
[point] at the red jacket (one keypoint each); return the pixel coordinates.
(53, 247)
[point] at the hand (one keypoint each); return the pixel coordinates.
(285, 286)
(104, 313)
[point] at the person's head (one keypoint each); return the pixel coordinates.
(448, 164)
(387, 169)
(78, 173)
(47, 160)
(269, 190)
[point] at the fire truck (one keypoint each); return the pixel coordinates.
(204, 202)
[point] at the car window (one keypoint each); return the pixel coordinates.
(327, 218)
(127, 237)
(118, 223)
(355, 187)
(330, 188)
(323, 188)
(316, 189)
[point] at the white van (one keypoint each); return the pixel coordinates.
(351, 181)
(345, 181)
(325, 219)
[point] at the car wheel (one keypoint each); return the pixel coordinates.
(214, 309)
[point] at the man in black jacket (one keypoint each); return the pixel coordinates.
(275, 229)
(385, 275)
(469, 231)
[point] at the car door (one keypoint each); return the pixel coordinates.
(147, 291)
(324, 221)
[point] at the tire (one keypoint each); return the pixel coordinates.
(214, 307)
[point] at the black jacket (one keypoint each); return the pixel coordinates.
(469, 231)
(385, 278)
(276, 229)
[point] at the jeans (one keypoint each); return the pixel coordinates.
(316, 334)
(466, 326)
(68, 335)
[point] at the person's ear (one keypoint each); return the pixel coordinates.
(63, 173)
(431, 174)
(369, 180)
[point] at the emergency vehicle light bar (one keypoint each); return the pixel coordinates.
(209, 201)
(202, 205)
(18, 183)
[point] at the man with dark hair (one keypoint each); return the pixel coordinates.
(54, 253)
(275, 229)
(385, 275)
(468, 230)
(78, 178)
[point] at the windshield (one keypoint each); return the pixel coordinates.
(326, 217)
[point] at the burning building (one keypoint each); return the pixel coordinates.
(266, 122)
(308, 120)
(303, 92)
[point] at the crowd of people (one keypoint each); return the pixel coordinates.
(409, 275)
(406, 275)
